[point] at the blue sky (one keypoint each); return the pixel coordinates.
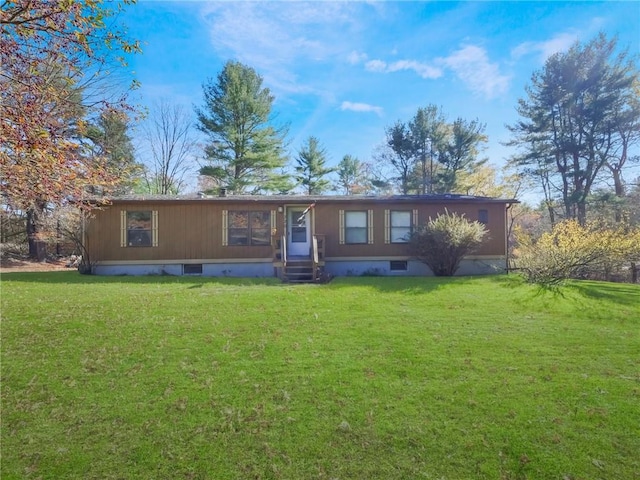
(342, 72)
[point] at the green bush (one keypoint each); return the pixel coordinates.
(443, 242)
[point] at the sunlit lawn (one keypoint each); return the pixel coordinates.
(362, 378)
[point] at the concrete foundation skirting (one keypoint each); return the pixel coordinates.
(337, 268)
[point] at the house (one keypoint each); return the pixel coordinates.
(292, 237)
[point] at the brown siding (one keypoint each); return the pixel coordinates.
(327, 222)
(186, 230)
(193, 229)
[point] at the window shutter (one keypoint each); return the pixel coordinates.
(341, 227)
(273, 222)
(154, 228)
(225, 232)
(387, 227)
(414, 223)
(123, 228)
(370, 227)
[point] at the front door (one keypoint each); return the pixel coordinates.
(298, 231)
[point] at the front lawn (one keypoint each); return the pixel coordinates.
(361, 378)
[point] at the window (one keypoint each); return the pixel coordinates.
(398, 225)
(139, 228)
(356, 227)
(249, 228)
(483, 216)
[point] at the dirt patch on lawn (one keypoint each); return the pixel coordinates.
(18, 264)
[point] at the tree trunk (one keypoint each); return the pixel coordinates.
(37, 247)
(619, 191)
(582, 213)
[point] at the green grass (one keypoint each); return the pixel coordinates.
(362, 378)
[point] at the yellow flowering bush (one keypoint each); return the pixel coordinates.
(571, 250)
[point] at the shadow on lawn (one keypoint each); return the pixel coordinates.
(620, 293)
(73, 277)
(421, 285)
(410, 285)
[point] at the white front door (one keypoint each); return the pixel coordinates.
(298, 231)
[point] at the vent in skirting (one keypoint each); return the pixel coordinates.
(192, 269)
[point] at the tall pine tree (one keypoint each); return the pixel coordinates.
(245, 150)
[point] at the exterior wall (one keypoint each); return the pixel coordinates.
(327, 223)
(471, 266)
(242, 270)
(191, 231)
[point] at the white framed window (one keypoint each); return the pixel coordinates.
(356, 227)
(138, 228)
(399, 224)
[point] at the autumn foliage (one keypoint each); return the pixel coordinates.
(53, 55)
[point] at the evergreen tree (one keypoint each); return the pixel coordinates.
(109, 136)
(311, 167)
(352, 178)
(244, 148)
(577, 118)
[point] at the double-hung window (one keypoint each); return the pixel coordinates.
(399, 224)
(356, 226)
(138, 228)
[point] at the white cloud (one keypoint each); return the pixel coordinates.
(422, 69)
(355, 58)
(471, 65)
(559, 43)
(273, 37)
(361, 107)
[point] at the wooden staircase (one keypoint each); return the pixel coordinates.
(302, 269)
(298, 270)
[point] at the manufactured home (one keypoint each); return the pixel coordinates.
(286, 236)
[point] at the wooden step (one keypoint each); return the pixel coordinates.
(298, 272)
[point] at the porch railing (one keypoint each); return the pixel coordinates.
(279, 247)
(317, 255)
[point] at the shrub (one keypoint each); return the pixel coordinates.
(574, 251)
(443, 242)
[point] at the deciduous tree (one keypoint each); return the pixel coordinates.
(170, 147)
(53, 56)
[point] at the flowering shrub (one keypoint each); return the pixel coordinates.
(574, 251)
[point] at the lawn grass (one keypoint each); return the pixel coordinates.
(374, 378)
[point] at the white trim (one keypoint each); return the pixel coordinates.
(387, 226)
(154, 228)
(225, 232)
(123, 228)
